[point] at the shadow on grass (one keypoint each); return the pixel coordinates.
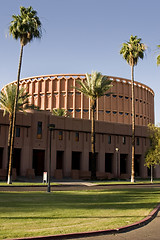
(72, 217)
(39, 202)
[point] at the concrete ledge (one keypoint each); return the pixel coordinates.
(127, 228)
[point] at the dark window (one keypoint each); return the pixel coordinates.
(60, 135)
(124, 140)
(77, 137)
(39, 130)
(109, 139)
(137, 141)
(17, 131)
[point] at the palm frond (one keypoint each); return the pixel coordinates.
(133, 50)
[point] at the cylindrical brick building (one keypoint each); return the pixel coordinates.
(56, 91)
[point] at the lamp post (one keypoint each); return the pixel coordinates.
(51, 127)
(117, 149)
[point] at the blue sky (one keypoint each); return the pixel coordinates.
(83, 35)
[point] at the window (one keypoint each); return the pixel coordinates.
(39, 130)
(124, 140)
(137, 139)
(109, 139)
(60, 135)
(77, 136)
(17, 131)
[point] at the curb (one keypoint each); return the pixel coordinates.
(127, 228)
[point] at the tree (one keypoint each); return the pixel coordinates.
(132, 51)
(152, 157)
(158, 57)
(60, 112)
(7, 100)
(94, 87)
(24, 27)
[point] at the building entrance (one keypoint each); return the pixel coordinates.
(17, 160)
(38, 161)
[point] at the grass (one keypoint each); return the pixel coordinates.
(2, 183)
(24, 214)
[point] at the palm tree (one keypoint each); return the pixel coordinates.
(24, 27)
(59, 112)
(94, 87)
(158, 58)
(132, 51)
(7, 99)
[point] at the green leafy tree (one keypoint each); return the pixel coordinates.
(94, 87)
(152, 157)
(60, 112)
(24, 27)
(7, 100)
(132, 51)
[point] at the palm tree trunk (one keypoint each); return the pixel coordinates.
(9, 137)
(93, 159)
(151, 173)
(14, 119)
(133, 124)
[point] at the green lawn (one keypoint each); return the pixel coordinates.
(24, 214)
(2, 183)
